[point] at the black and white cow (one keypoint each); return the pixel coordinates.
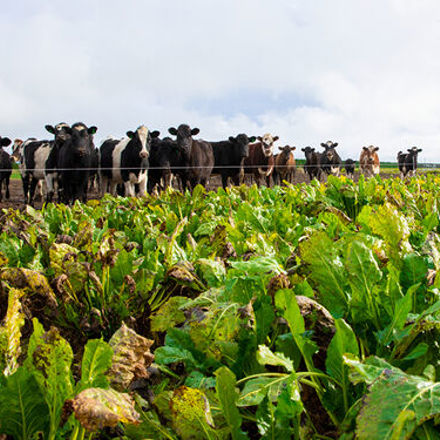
(32, 155)
(75, 160)
(5, 166)
(229, 157)
(408, 162)
(197, 156)
(330, 161)
(125, 161)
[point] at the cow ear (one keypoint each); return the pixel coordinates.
(275, 138)
(365, 148)
(335, 145)
(376, 149)
(419, 150)
(292, 148)
(323, 145)
(155, 134)
(313, 149)
(68, 130)
(283, 148)
(130, 134)
(5, 142)
(409, 150)
(50, 129)
(252, 139)
(195, 131)
(92, 129)
(231, 139)
(172, 131)
(303, 149)
(259, 138)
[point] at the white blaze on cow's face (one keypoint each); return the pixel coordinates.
(142, 133)
(267, 143)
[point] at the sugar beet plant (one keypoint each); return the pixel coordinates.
(309, 311)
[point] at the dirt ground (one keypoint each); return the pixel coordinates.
(16, 200)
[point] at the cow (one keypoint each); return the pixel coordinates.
(369, 164)
(329, 160)
(61, 134)
(285, 166)
(349, 166)
(165, 160)
(32, 155)
(125, 161)
(408, 162)
(197, 156)
(312, 164)
(260, 162)
(75, 162)
(5, 166)
(229, 157)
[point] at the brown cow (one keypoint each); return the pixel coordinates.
(260, 161)
(369, 164)
(285, 166)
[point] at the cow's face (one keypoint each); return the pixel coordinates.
(242, 144)
(184, 135)
(267, 142)
(287, 149)
(330, 152)
(81, 138)
(414, 150)
(370, 154)
(17, 150)
(142, 141)
(60, 131)
(308, 151)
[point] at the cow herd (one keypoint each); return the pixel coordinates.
(69, 164)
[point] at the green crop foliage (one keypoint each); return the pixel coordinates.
(306, 312)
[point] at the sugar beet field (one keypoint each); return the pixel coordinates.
(310, 311)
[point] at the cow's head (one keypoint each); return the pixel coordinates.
(17, 150)
(141, 140)
(267, 142)
(81, 138)
(286, 150)
(242, 141)
(59, 131)
(370, 153)
(4, 141)
(184, 134)
(329, 149)
(308, 151)
(414, 150)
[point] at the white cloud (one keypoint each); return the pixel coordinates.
(356, 72)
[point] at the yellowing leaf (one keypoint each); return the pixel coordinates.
(131, 357)
(96, 408)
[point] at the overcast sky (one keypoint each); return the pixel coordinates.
(355, 72)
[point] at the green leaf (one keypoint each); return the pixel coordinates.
(96, 362)
(414, 270)
(23, 409)
(363, 275)
(266, 357)
(396, 405)
(255, 390)
(228, 397)
(169, 314)
(344, 341)
(326, 271)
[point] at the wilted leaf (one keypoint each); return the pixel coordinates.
(168, 314)
(191, 413)
(131, 357)
(96, 408)
(11, 332)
